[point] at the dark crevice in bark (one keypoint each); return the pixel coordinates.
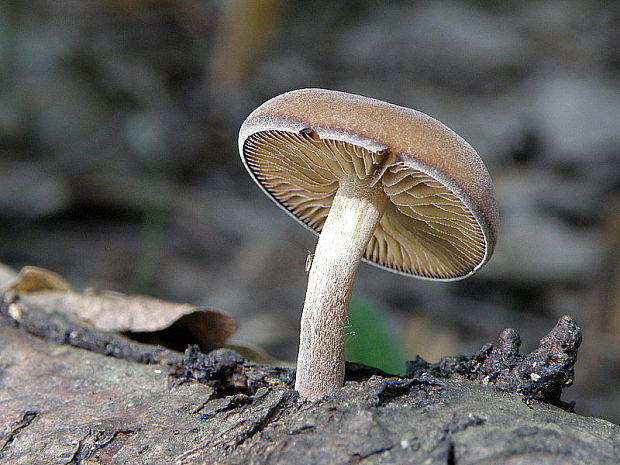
(451, 458)
(27, 418)
(455, 426)
(271, 415)
(99, 446)
(381, 450)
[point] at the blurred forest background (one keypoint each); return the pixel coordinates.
(119, 166)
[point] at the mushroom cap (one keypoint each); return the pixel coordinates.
(441, 220)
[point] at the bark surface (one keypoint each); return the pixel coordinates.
(69, 401)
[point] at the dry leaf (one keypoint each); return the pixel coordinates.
(154, 320)
(33, 278)
(146, 319)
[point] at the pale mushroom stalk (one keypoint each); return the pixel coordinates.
(355, 212)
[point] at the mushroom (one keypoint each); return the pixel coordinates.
(380, 183)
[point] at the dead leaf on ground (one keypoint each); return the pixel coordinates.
(145, 319)
(33, 278)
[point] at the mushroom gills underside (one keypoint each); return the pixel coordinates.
(426, 229)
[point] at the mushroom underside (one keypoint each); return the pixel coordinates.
(426, 230)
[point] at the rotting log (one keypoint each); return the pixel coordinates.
(63, 404)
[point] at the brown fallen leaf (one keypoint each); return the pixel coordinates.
(145, 319)
(33, 278)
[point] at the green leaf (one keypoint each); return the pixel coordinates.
(368, 340)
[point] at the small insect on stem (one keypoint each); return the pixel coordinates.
(349, 331)
(309, 259)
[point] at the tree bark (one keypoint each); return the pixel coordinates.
(69, 405)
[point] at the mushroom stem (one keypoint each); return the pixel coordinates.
(354, 214)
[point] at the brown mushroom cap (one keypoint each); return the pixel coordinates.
(441, 220)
